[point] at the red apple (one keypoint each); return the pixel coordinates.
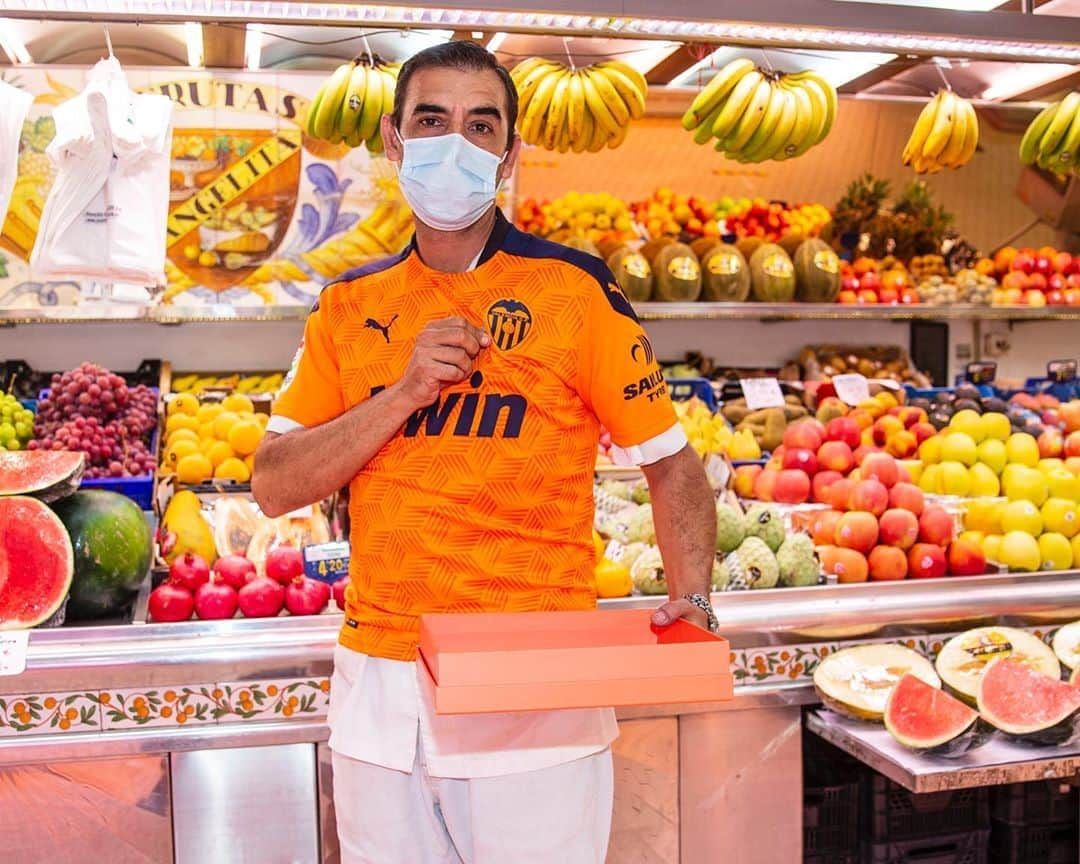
(907, 496)
(800, 459)
(966, 558)
(1072, 443)
(845, 430)
(858, 531)
(870, 496)
(1055, 298)
(926, 561)
(849, 283)
(1063, 263)
(899, 528)
(745, 475)
(792, 487)
(824, 533)
(836, 456)
(870, 282)
(1036, 282)
(936, 526)
(765, 485)
(1051, 444)
(888, 564)
(890, 296)
(1044, 266)
(882, 467)
(821, 483)
(1056, 282)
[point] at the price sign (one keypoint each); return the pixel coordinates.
(1061, 371)
(851, 389)
(718, 471)
(762, 393)
(983, 372)
(13, 651)
(327, 562)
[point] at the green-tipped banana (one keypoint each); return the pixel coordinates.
(715, 92)
(1067, 152)
(333, 98)
(1029, 144)
(751, 119)
(736, 104)
(917, 140)
(780, 131)
(1055, 132)
(352, 108)
(312, 112)
(950, 156)
(703, 133)
(943, 123)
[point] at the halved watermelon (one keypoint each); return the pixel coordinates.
(964, 658)
(1027, 703)
(857, 681)
(36, 563)
(929, 720)
(45, 474)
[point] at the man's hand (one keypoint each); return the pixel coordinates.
(673, 610)
(444, 354)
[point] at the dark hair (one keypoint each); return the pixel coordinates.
(457, 55)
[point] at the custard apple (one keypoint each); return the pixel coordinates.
(639, 527)
(752, 565)
(730, 528)
(798, 562)
(767, 524)
(647, 574)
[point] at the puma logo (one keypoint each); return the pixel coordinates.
(372, 324)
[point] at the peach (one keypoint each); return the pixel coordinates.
(1051, 444)
(1072, 445)
(846, 565)
(819, 486)
(824, 533)
(888, 564)
(936, 526)
(926, 561)
(792, 486)
(806, 435)
(836, 456)
(858, 531)
(863, 418)
(870, 496)
(907, 496)
(885, 428)
(902, 445)
(966, 558)
(881, 467)
(801, 459)
(899, 528)
(765, 485)
(745, 475)
(840, 493)
(863, 451)
(1070, 415)
(922, 431)
(868, 439)
(910, 416)
(843, 429)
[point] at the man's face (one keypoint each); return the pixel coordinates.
(471, 103)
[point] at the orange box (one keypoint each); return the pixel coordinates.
(495, 662)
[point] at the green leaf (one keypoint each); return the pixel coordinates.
(71, 699)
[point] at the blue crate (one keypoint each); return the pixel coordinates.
(683, 389)
(29, 403)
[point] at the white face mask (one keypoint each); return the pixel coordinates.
(448, 181)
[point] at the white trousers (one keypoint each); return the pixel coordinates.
(559, 815)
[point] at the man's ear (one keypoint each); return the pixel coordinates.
(510, 162)
(391, 140)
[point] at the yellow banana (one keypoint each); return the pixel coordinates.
(523, 68)
(630, 73)
(331, 103)
(619, 109)
(957, 136)
(600, 135)
(313, 111)
(556, 113)
(581, 143)
(533, 120)
(352, 108)
(575, 109)
(830, 96)
(818, 114)
(617, 139)
(751, 118)
(1059, 125)
(921, 131)
(373, 105)
(389, 83)
(603, 116)
(736, 104)
(775, 127)
(803, 126)
(943, 123)
(1067, 151)
(1029, 144)
(531, 83)
(820, 97)
(627, 90)
(715, 92)
(704, 132)
(971, 138)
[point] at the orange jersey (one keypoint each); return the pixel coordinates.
(483, 501)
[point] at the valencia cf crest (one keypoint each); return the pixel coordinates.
(509, 322)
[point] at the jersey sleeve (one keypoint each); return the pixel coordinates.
(620, 379)
(311, 394)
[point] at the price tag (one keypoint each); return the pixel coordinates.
(13, 651)
(762, 393)
(1061, 371)
(851, 389)
(983, 372)
(718, 471)
(327, 562)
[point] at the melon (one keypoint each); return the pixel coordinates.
(1023, 702)
(653, 247)
(1066, 645)
(703, 245)
(36, 563)
(926, 718)
(772, 275)
(45, 474)
(749, 245)
(677, 274)
(857, 681)
(725, 276)
(582, 244)
(112, 545)
(964, 658)
(633, 273)
(817, 272)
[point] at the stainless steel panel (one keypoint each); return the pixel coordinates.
(249, 805)
(114, 810)
(645, 823)
(329, 847)
(735, 768)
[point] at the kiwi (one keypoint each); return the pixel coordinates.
(993, 405)
(939, 419)
(968, 405)
(968, 393)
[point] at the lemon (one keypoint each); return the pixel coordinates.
(930, 451)
(222, 424)
(218, 451)
(206, 431)
(1020, 551)
(250, 462)
(1022, 449)
(1049, 466)
(612, 579)
(232, 469)
(237, 403)
(194, 468)
(1022, 516)
(991, 547)
(985, 516)
(1056, 551)
(1059, 516)
(208, 412)
(984, 482)
(995, 427)
(244, 437)
(182, 403)
(968, 422)
(991, 453)
(1063, 484)
(180, 435)
(1025, 484)
(930, 478)
(976, 537)
(177, 451)
(180, 421)
(954, 479)
(1076, 550)
(959, 447)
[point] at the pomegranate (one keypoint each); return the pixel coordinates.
(189, 571)
(261, 598)
(235, 570)
(284, 564)
(171, 602)
(216, 599)
(339, 592)
(305, 596)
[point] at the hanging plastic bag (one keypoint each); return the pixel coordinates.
(14, 105)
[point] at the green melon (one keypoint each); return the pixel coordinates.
(677, 273)
(112, 544)
(817, 272)
(633, 273)
(772, 275)
(725, 275)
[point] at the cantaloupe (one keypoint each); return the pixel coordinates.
(677, 274)
(725, 275)
(817, 272)
(633, 273)
(703, 245)
(652, 248)
(772, 275)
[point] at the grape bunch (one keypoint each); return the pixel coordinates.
(16, 423)
(93, 411)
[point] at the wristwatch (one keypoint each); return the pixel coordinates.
(702, 603)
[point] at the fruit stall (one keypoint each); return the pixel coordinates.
(852, 234)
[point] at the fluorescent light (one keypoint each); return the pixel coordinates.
(495, 41)
(477, 34)
(959, 5)
(1022, 78)
(193, 38)
(836, 67)
(13, 46)
(253, 38)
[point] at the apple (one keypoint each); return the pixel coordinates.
(1044, 266)
(1034, 298)
(858, 531)
(1063, 263)
(1056, 282)
(1036, 282)
(792, 487)
(926, 561)
(1072, 444)
(1024, 262)
(936, 526)
(899, 528)
(819, 486)
(765, 485)
(888, 564)
(889, 295)
(1014, 280)
(870, 496)
(845, 430)
(870, 282)
(805, 435)
(867, 297)
(1055, 298)
(882, 467)
(1051, 444)
(847, 297)
(801, 459)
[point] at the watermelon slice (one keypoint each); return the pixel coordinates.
(964, 659)
(36, 563)
(45, 474)
(929, 720)
(1023, 702)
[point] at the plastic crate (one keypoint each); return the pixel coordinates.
(1034, 844)
(893, 814)
(683, 389)
(832, 858)
(831, 819)
(969, 847)
(1041, 802)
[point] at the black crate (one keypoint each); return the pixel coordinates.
(967, 848)
(832, 858)
(830, 819)
(825, 764)
(1041, 802)
(1034, 844)
(891, 813)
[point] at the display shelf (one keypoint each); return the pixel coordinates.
(998, 761)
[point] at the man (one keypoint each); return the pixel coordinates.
(457, 388)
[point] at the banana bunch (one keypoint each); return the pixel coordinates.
(350, 104)
(756, 115)
(945, 135)
(1053, 138)
(580, 109)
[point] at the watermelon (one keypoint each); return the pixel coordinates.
(1026, 703)
(725, 276)
(45, 474)
(112, 544)
(772, 275)
(964, 658)
(633, 274)
(925, 718)
(817, 272)
(36, 563)
(857, 681)
(677, 274)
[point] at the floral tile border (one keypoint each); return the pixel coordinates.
(137, 708)
(274, 699)
(49, 713)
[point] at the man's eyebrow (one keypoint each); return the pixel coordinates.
(429, 108)
(487, 111)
